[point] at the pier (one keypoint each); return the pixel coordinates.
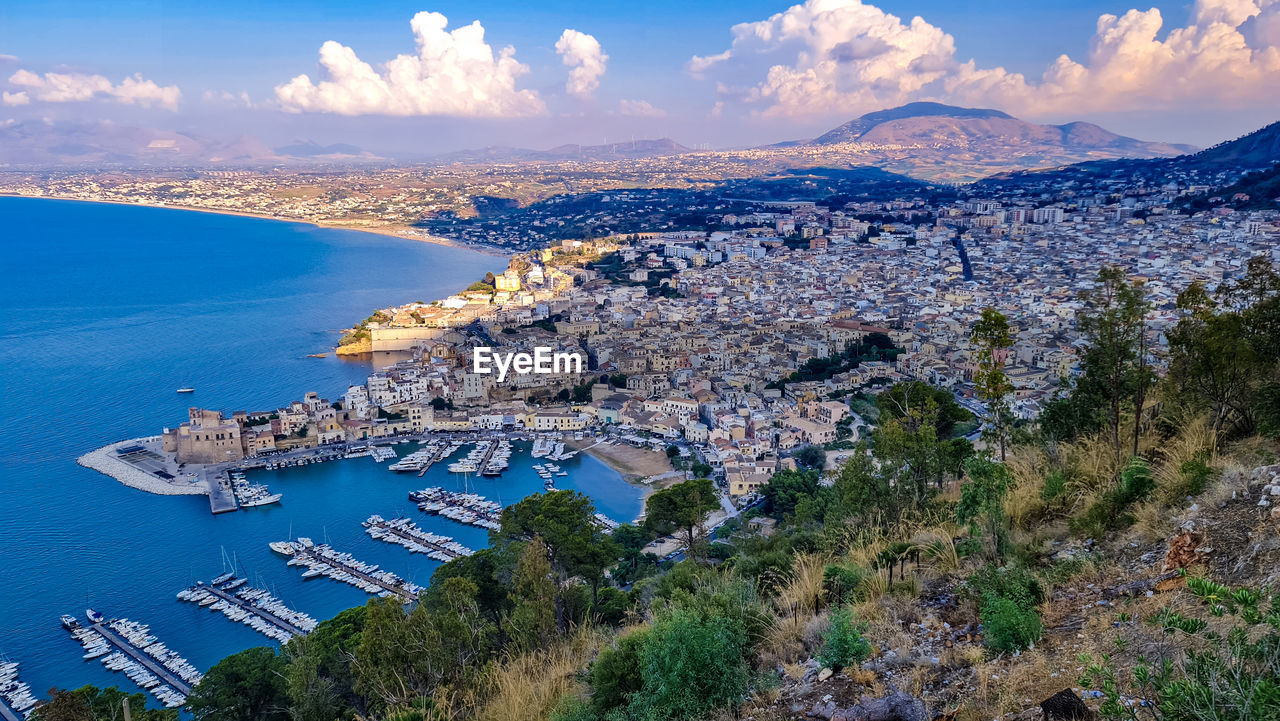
(407, 534)
(315, 556)
(142, 659)
(443, 452)
(468, 508)
(283, 628)
(7, 713)
(222, 499)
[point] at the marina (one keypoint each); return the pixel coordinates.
(254, 607)
(406, 533)
(16, 700)
(323, 560)
(468, 508)
(550, 449)
(129, 647)
(249, 495)
(421, 460)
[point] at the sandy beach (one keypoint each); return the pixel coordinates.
(402, 232)
(633, 463)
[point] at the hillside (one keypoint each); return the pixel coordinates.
(1245, 165)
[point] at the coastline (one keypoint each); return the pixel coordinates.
(631, 469)
(401, 232)
(104, 461)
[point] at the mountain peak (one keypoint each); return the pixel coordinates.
(857, 127)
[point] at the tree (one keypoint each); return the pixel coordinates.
(993, 339)
(565, 522)
(1113, 324)
(786, 490)
(811, 457)
(982, 500)
(701, 470)
(901, 398)
(318, 678)
(532, 620)
(90, 703)
(681, 507)
(245, 686)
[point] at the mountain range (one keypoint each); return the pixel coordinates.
(924, 140)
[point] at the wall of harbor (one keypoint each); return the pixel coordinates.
(105, 461)
(401, 339)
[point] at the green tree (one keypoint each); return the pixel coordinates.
(565, 521)
(318, 676)
(843, 644)
(531, 623)
(1113, 325)
(691, 665)
(701, 470)
(811, 457)
(993, 339)
(90, 703)
(903, 398)
(682, 508)
(786, 490)
(245, 686)
(982, 500)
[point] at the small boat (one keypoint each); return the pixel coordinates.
(70, 623)
(186, 390)
(284, 548)
(94, 616)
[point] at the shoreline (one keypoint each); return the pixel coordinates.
(620, 467)
(390, 231)
(104, 461)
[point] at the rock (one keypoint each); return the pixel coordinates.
(823, 709)
(1065, 706)
(895, 706)
(824, 674)
(1182, 550)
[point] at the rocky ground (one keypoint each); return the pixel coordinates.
(930, 663)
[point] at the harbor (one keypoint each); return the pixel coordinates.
(404, 532)
(421, 460)
(129, 648)
(16, 700)
(323, 560)
(468, 508)
(254, 607)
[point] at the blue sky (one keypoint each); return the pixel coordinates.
(851, 57)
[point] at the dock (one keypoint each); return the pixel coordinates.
(373, 581)
(405, 533)
(251, 606)
(441, 453)
(221, 497)
(142, 659)
(7, 713)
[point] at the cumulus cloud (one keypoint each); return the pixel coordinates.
(640, 109)
(453, 73)
(847, 56)
(583, 54)
(80, 87)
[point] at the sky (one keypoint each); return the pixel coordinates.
(431, 76)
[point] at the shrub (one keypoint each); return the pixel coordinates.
(1111, 510)
(1232, 676)
(843, 645)
(616, 673)
(1055, 484)
(1008, 625)
(1016, 584)
(690, 666)
(840, 583)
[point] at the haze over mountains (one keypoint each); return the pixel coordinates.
(924, 140)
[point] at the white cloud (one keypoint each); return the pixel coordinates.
(698, 64)
(453, 73)
(227, 99)
(582, 53)
(842, 56)
(6, 58)
(80, 87)
(640, 109)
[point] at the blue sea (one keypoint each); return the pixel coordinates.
(106, 310)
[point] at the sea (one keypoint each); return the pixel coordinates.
(105, 311)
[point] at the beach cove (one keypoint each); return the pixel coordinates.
(112, 309)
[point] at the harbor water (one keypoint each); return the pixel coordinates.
(105, 312)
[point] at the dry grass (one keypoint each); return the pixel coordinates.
(801, 593)
(526, 687)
